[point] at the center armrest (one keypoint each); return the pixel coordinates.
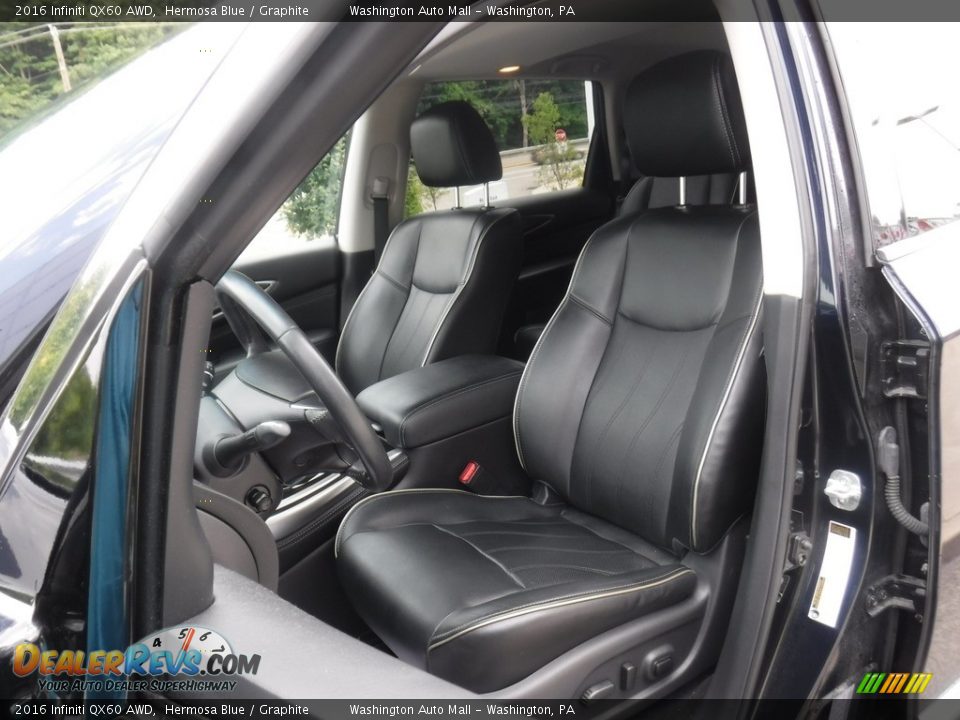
(443, 399)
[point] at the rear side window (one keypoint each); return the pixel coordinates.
(905, 109)
(542, 129)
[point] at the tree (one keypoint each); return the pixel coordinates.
(419, 197)
(543, 122)
(521, 86)
(559, 168)
(311, 209)
(413, 202)
(498, 102)
(30, 78)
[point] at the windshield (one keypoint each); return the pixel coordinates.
(46, 66)
(72, 158)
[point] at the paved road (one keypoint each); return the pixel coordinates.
(944, 658)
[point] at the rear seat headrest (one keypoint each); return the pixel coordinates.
(683, 117)
(452, 145)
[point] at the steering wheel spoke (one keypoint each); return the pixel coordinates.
(249, 334)
(251, 313)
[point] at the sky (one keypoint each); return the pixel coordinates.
(891, 72)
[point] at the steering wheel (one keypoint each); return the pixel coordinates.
(241, 301)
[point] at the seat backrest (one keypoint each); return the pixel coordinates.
(643, 400)
(442, 284)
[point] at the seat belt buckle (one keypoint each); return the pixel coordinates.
(470, 472)
(476, 479)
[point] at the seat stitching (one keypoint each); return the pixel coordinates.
(346, 323)
(320, 521)
(550, 548)
(396, 324)
(457, 393)
(722, 109)
(646, 423)
(523, 379)
(524, 521)
(393, 280)
(666, 449)
(741, 352)
(731, 321)
(589, 308)
(410, 491)
(464, 281)
(438, 640)
(518, 532)
(536, 349)
(598, 571)
(496, 562)
(596, 376)
(616, 414)
(726, 116)
(412, 334)
(606, 539)
(748, 333)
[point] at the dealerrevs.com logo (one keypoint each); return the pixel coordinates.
(185, 654)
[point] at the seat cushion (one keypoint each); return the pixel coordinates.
(484, 590)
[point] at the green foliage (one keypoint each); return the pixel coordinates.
(311, 210)
(558, 161)
(50, 354)
(68, 430)
(487, 100)
(559, 166)
(419, 197)
(30, 80)
(544, 119)
(413, 201)
(499, 104)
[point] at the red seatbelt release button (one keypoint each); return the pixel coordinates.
(469, 472)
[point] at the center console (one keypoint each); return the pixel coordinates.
(453, 419)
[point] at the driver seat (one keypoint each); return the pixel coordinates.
(640, 413)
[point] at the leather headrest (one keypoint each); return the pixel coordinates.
(452, 145)
(683, 117)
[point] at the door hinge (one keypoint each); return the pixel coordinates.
(901, 592)
(799, 546)
(905, 368)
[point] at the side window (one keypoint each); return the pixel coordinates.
(906, 116)
(542, 129)
(311, 212)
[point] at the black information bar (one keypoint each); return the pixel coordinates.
(478, 708)
(113, 11)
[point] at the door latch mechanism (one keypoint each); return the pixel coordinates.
(905, 368)
(900, 592)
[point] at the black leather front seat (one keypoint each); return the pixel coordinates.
(641, 410)
(443, 282)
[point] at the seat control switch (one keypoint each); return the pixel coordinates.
(661, 667)
(628, 676)
(598, 691)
